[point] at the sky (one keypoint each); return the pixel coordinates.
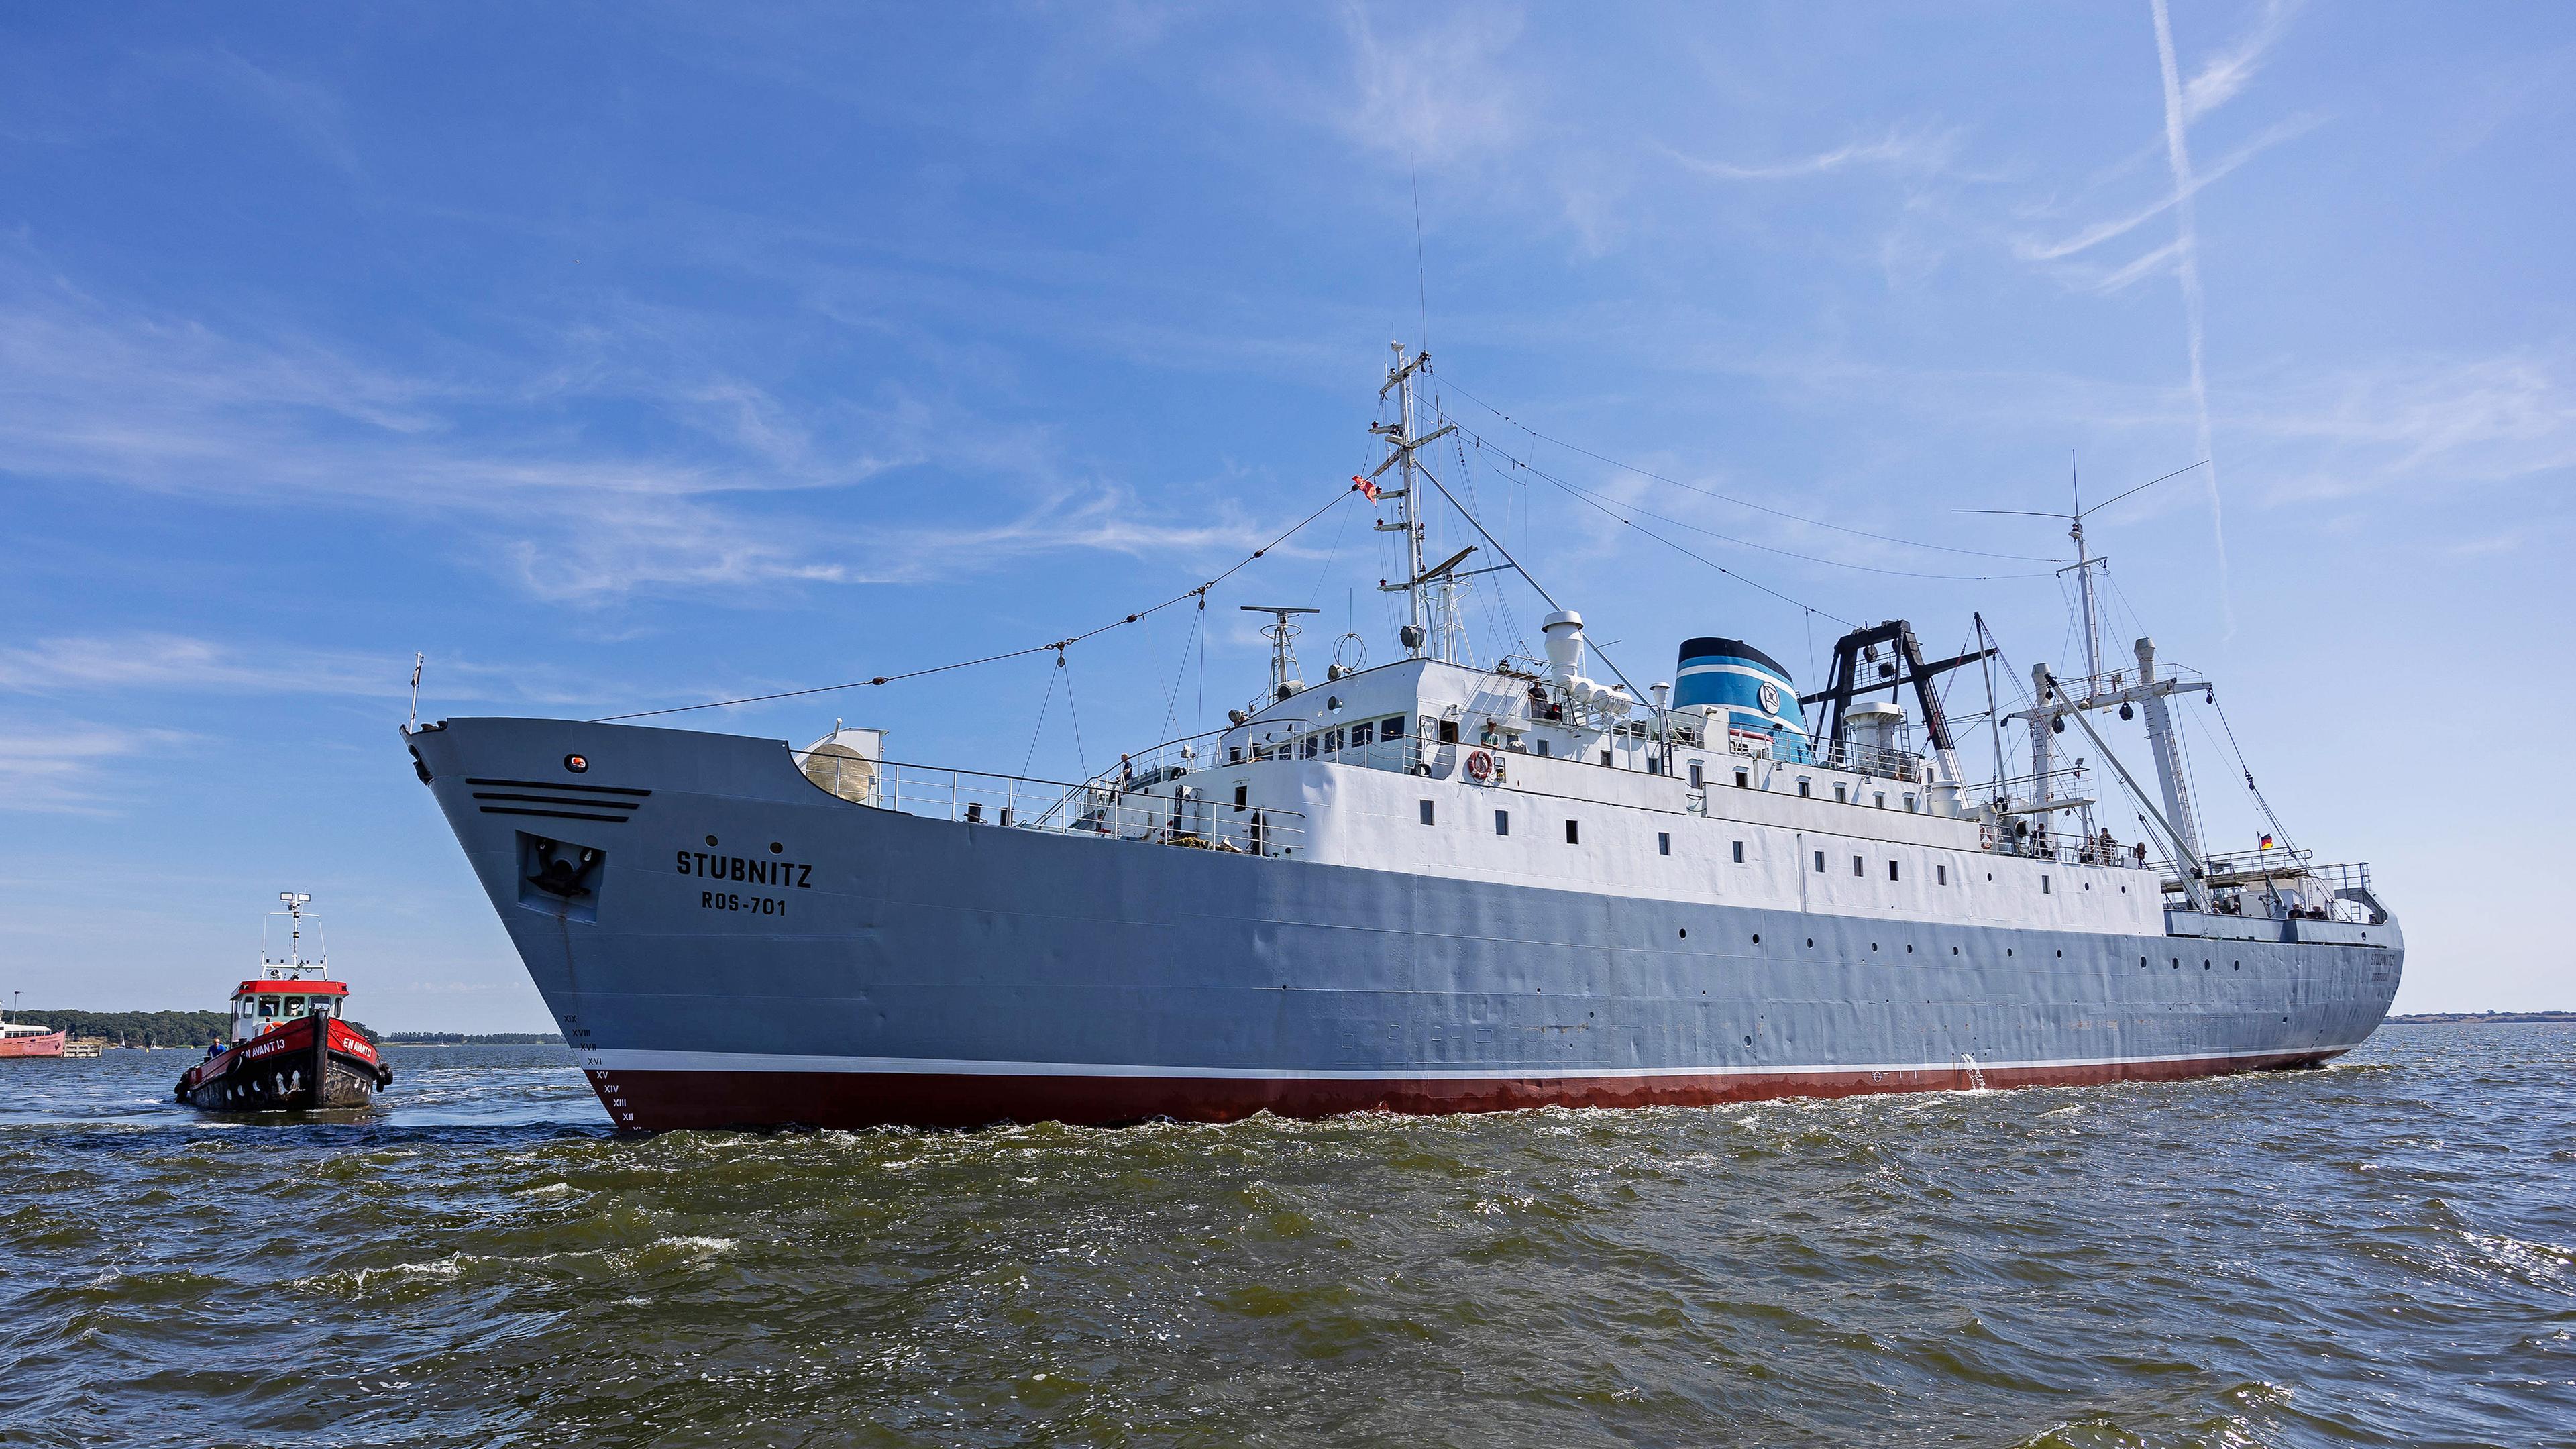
(621, 357)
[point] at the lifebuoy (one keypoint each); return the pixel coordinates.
(1480, 766)
(1985, 837)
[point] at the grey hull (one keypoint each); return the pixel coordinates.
(828, 964)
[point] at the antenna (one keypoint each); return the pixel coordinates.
(1284, 679)
(2085, 563)
(416, 660)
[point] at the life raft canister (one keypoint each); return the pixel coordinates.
(1480, 766)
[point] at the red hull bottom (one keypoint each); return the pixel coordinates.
(661, 1101)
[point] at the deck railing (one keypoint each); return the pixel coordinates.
(1096, 809)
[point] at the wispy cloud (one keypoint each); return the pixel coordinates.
(1897, 150)
(177, 661)
(1433, 94)
(69, 769)
(2433, 426)
(2037, 250)
(746, 490)
(2228, 72)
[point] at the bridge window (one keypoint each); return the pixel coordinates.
(1820, 865)
(1940, 875)
(1448, 732)
(1362, 732)
(1842, 793)
(1739, 852)
(1502, 822)
(1242, 796)
(1859, 866)
(1803, 790)
(1909, 803)
(1663, 842)
(1605, 757)
(1891, 870)
(1696, 781)
(1572, 835)
(2043, 885)
(1426, 812)
(1391, 728)
(1878, 799)
(1541, 746)
(1743, 779)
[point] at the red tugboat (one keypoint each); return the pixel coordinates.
(290, 1051)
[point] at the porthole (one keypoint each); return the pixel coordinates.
(1685, 933)
(2235, 965)
(1873, 945)
(1909, 948)
(1757, 938)
(2061, 954)
(2204, 965)
(775, 848)
(711, 840)
(1811, 943)
(1954, 950)
(1748, 1041)
(2008, 950)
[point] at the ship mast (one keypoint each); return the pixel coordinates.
(2052, 704)
(1402, 444)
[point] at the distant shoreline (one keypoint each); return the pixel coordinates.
(2479, 1018)
(196, 1030)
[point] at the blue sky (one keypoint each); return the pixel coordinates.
(625, 356)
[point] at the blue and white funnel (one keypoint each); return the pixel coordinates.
(1749, 682)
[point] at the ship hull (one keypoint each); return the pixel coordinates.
(288, 1070)
(48, 1045)
(748, 951)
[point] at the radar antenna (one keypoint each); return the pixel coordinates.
(1284, 679)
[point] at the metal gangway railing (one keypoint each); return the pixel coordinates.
(1104, 808)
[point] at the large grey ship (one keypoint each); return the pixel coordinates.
(1434, 885)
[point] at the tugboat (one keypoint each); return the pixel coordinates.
(290, 1051)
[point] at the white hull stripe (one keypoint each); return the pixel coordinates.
(648, 1060)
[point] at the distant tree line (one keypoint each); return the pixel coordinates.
(460, 1038)
(198, 1029)
(2429, 1018)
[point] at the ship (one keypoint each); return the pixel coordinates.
(288, 1048)
(1426, 886)
(27, 1039)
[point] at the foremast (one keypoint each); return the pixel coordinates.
(1419, 636)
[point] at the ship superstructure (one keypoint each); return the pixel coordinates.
(1430, 885)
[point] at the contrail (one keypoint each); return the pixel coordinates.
(2187, 267)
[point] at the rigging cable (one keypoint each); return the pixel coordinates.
(1044, 701)
(1742, 502)
(1482, 442)
(1058, 645)
(1080, 756)
(1675, 547)
(1634, 692)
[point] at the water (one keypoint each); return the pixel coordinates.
(2380, 1253)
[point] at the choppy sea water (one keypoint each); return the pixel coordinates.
(2380, 1253)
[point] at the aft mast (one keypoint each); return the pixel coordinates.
(2053, 703)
